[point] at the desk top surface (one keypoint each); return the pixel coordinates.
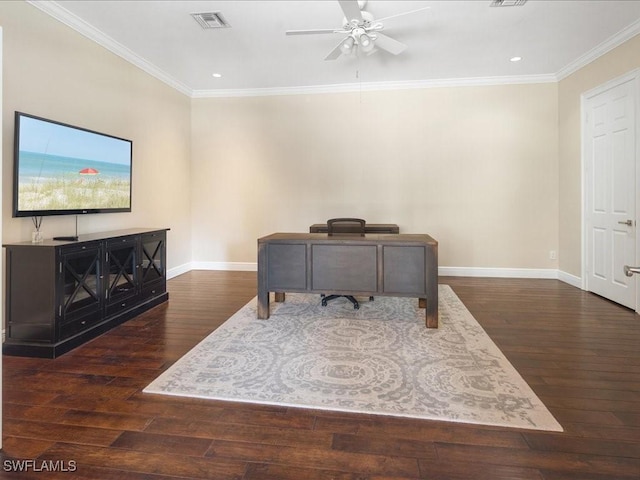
(376, 238)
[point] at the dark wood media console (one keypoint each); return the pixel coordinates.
(60, 294)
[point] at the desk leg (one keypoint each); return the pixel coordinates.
(432, 313)
(432, 287)
(263, 292)
(263, 305)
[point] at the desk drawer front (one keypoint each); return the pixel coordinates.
(404, 270)
(346, 268)
(287, 267)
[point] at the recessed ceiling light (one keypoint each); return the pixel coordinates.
(217, 75)
(515, 59)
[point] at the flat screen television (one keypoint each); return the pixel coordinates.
(60, 169)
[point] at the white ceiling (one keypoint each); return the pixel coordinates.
(452, 41)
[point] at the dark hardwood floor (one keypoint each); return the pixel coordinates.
(85, 410)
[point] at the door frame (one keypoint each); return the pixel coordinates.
(633, 75)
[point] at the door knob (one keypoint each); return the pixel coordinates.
(628, 271)
(628, 223)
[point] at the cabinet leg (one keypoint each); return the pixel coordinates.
(279, 296)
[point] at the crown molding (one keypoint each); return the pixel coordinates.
(375, 86)
(63, 15)
(605, 47)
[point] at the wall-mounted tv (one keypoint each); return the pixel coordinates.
(60, 169)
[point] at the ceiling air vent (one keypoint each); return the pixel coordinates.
(210, 20)
(507, 3)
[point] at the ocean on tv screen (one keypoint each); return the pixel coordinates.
(51, 182)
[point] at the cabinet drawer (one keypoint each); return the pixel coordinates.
(154, 290)
(80, 247)
(121, 306)
(69, 329)
(129, 240)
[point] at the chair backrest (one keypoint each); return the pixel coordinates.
(346, 225)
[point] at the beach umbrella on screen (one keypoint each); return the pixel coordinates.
(88, 171)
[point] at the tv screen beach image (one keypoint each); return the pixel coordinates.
(66, 168)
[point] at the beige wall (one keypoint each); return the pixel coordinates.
(492, 172)
(476, 167)
(614, 64)
(52, 71)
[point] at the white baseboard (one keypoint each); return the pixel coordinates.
(238, 266)
(175, 271)
(570, 279)
(442, 271)
(497, 272)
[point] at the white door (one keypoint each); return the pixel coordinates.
(610, 190)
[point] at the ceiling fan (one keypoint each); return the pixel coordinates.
(361, 30)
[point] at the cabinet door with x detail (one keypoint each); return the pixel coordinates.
(80, 283)
(153, 263)
(123, 284)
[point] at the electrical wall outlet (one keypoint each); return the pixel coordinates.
(552, 255)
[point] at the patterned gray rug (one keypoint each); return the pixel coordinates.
(377, 360)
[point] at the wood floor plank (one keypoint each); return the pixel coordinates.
(384, 445)
(267, 471)
(222, 430)
(140, 462)
(540, 459)
(58, 432)
(572, 444)
(445, 432)
(162, 443)
(324, 459)
(576, 350)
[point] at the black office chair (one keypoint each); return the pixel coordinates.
(349, 226)
(346, 225)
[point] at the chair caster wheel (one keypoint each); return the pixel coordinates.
(324, 302)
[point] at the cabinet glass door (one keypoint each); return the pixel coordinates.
(153, 258)
(122, 274)
(81, 282)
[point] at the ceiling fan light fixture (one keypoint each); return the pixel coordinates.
(365, 42)
(346, 47)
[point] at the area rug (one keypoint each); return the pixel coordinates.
(377, 360)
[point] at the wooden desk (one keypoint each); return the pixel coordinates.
(368, 228)
(376, 264)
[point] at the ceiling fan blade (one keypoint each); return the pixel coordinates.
(351, 10)
(389, 44)
(402, 14)
(335, 53)
(313, 32)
